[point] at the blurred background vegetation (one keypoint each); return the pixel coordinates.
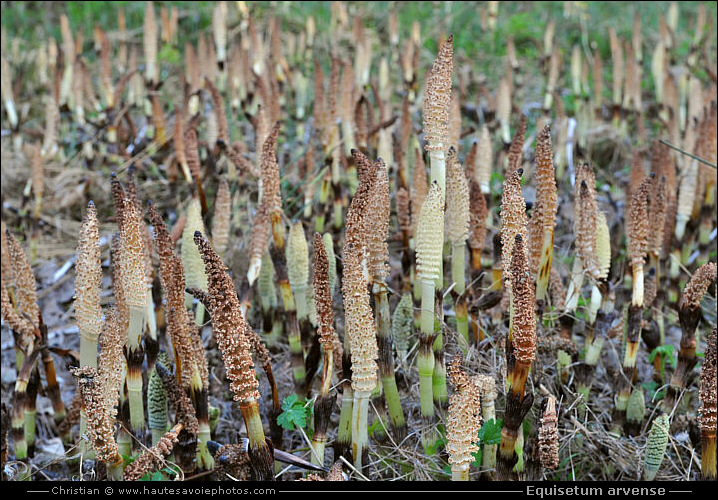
(525, 21)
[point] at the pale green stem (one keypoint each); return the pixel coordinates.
(300, 300)
(360, 434)
(425, 364)
(460, 472)
(427, 307)
(204, 457)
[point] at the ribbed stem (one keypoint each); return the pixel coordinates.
(290, 310)
(319, 446)
(30, 410)
(324, 191)
(342, 444)
(437, 158)
(300, 300)
(260, 455)
(115, 472)
(708, 456)
(425, 364)
(322, 416)
(135, 356)
(462, 321)
(124, 442)
(157, 435)
(458, 275)
(637, 297)
(440, 388)
(633, 321)
(460, 472)
(427, 307)
(18, 425)
(360, 434)
(204, 458)
(458, 267)
(386, 361)
(88, 351)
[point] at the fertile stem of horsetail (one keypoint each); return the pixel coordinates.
(105, 392)
(328, 339)
(463, 423)
(23, 317)
(548, 436)
(585, 262)
(638, 236)
(359, 325)
(88, 281)
(429, 246)
(457, 225)
(153, 458)
(437, 104)
(689, 315)
(544, 211)
(233, 338)
(361, 331)
(136, 295)
(191, 260)
(488, 413)
(272, 205)
(190, 359)
(100, 423)
(521, 351)
(708, 415)
(638, 244)
(377, 234)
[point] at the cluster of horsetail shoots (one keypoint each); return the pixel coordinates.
(278, 146)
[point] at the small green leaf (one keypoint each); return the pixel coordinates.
(490, 432)
(666, 351)
(294, 414)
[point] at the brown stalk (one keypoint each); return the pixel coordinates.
(548, 435)
(521, 350)
(708, 414)
(513, 218)
(132, 274)
(544, 214)
(234, 336)
(100, 424)
(638, 236)
(516, 155)
(327, 338)
(222, 217)
(153, 457)
(689, 315)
